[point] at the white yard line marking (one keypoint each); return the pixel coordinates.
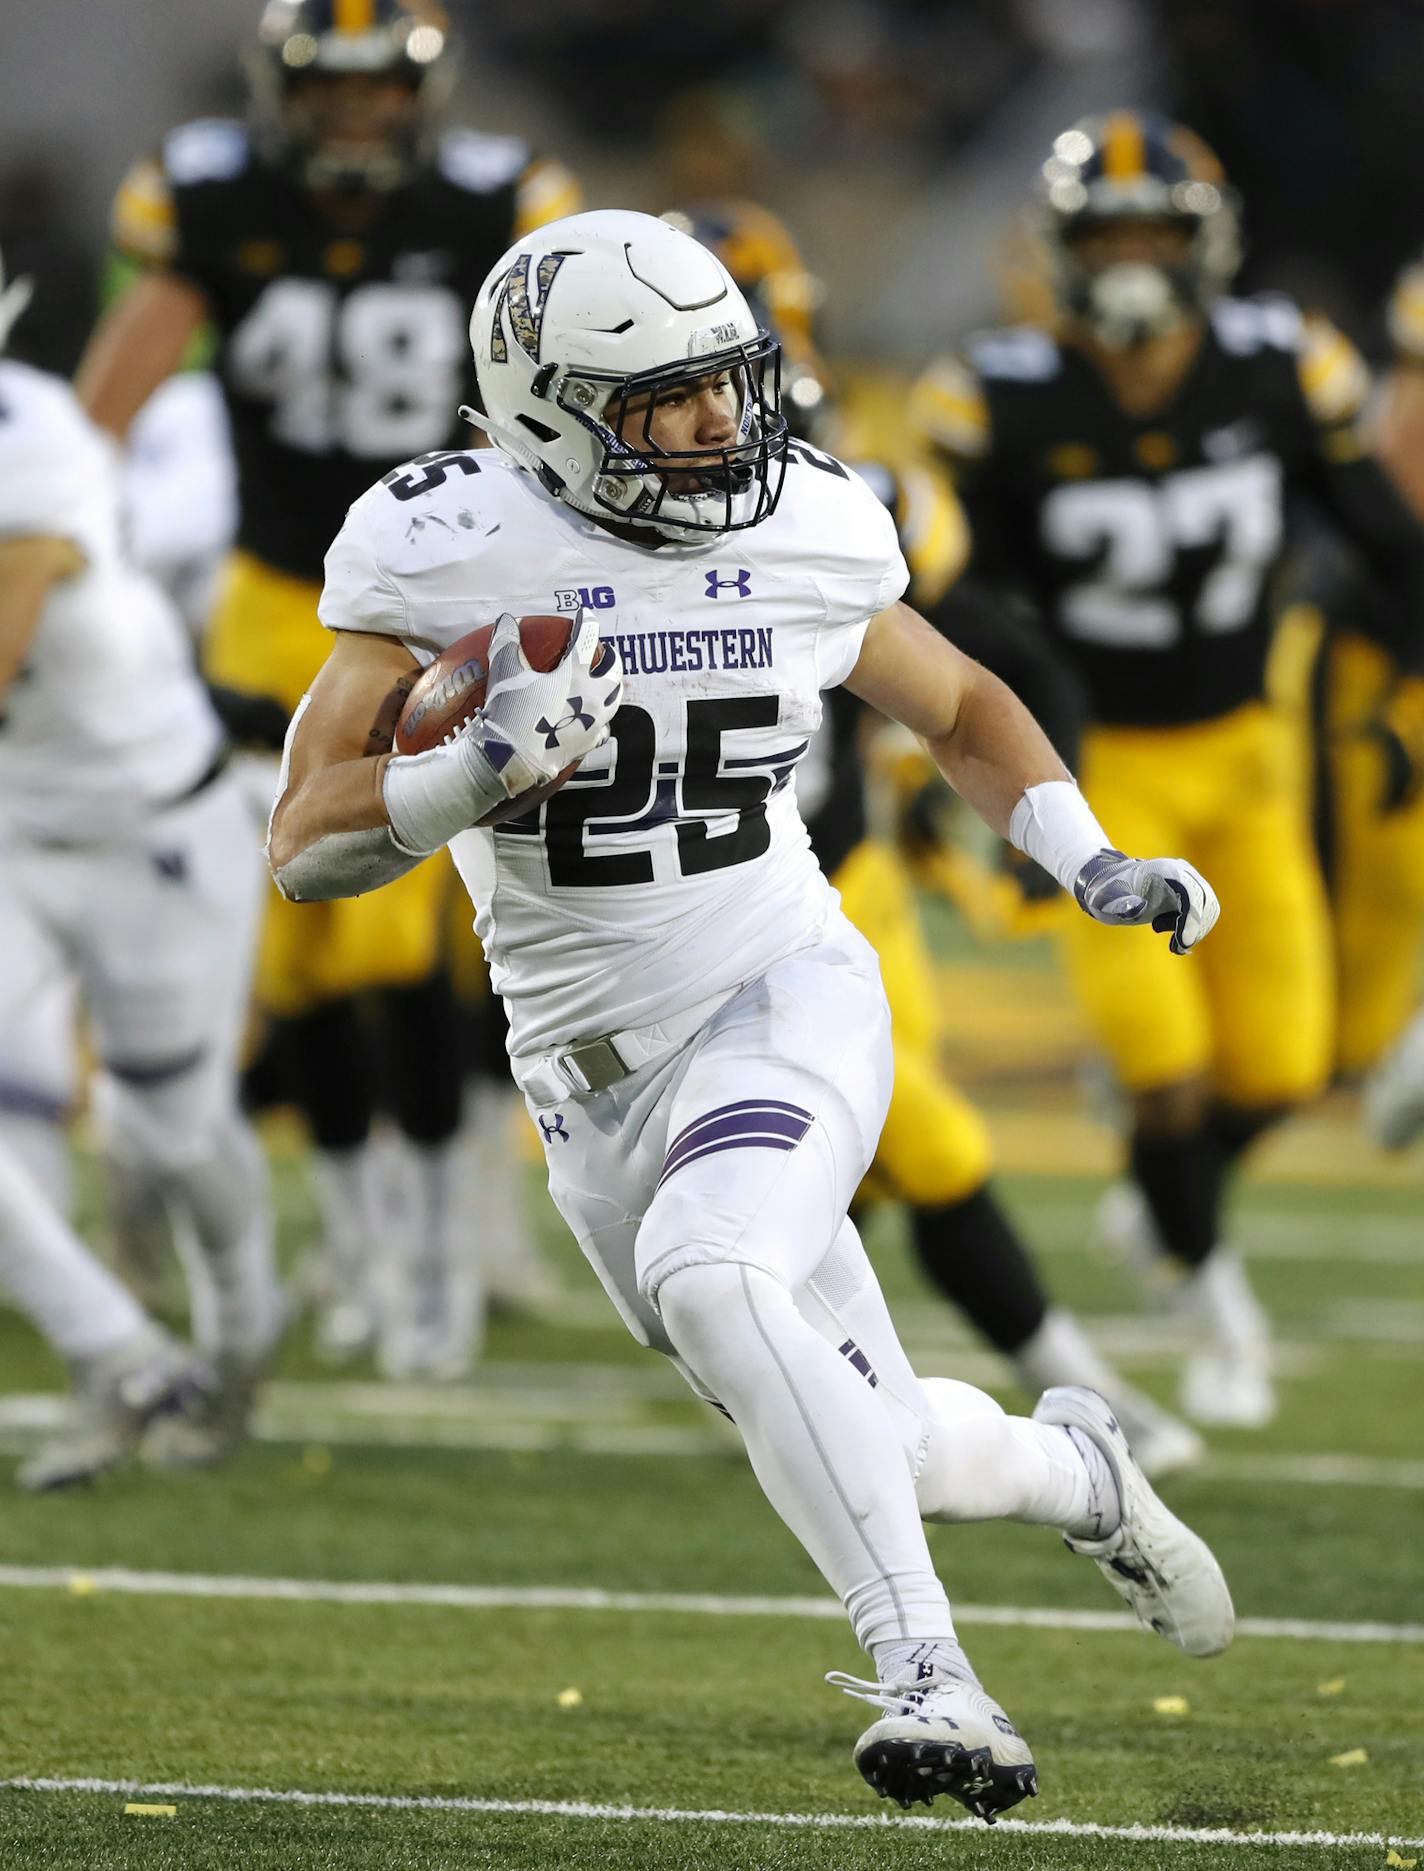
(1334, 1236)
(120, 1579)
(665, 1815)
(1319, 1471)
(395, 1416)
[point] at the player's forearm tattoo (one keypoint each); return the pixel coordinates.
(382, 737)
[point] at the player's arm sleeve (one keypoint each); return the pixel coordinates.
(863, 574)
(1361, 496)
(546, 191)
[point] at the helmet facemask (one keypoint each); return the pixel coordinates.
(715, 490)
(1127, 301)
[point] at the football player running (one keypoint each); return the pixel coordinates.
(935, 1154)
(333, 241)
(701, 1035)
(1129, 471)
(130, 874)
(1379, 955)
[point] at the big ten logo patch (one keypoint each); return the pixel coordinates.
(585, 598)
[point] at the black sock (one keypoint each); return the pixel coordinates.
(267, 1077)
(971, 1253)
(1181, 1179)
(420, 1056)
(1235, 1127)
(329, 1067)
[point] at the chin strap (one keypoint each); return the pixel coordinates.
(494, 429)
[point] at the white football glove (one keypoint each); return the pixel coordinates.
(535, 722)
(1167, 892)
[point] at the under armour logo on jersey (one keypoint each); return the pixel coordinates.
(576, 714)
(556, 1129)
(740, 582)
(525, 311)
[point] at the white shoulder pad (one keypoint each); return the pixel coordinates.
(838, 527)
(211, 149)
(1021, 353)
(420, 542)
(55, 477)
(1269, 321)
(358, 592)
(481, 163)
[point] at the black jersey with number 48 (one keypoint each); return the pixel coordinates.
(340, 352)
(1147, 544)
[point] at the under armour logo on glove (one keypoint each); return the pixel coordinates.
(556, 1129)
(577, 716)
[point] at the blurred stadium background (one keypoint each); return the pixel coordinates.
(897, 141)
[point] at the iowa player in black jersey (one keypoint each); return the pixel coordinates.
(857, 784)
(1129, 470)
(334, 242)
(1379, 955)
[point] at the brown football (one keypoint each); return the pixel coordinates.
(452, 689)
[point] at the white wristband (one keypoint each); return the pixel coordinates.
(1055, 826)
(432, 796)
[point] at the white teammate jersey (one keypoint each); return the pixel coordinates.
(106, 717)
(674, 865)
(179, 492)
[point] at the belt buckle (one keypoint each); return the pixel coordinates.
(599, 1064)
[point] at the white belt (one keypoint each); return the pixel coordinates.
(594, 1064)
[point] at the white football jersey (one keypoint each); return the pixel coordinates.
(179, 492)
(674, 864)
(106, 717)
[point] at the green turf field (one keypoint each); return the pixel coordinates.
(604, 1640)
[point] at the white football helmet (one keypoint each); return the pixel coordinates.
(597, 308)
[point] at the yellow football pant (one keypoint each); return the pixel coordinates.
(265, 638)
(1377, 883)
(935, 1146)
(1252, 1008)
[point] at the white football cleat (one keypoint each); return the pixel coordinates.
(218, 1424)
(941, 1736)
(116, 1398)
(1394, 1092)
(1227, 1383)
(436, 1331)
(1166, 1573)
(1229, 1388)
(1124, 1228)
